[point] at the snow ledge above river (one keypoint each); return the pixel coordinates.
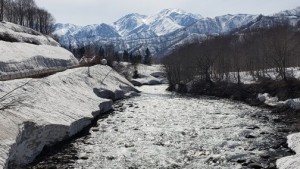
(51, 109)
(291, 162)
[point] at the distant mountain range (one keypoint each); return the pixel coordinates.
(163, 32)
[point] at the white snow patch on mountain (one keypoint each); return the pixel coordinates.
(129, 22)
(65, 29)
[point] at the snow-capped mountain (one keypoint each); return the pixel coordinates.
(103, 31)
(163, 31)
(129, 23)
(164, 22)
(293, 12)
(291, 17)
(65, 29)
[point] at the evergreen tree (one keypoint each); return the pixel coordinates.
(134, 59)
(126, 56)
(101, 52)
(147, 58)
(82, 52)
(2, 10)
(117, 57)
(131, 58)
(138, 58)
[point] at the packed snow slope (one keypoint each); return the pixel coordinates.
(163, 31)
(24, 50)
(291, 162)
(48, 110)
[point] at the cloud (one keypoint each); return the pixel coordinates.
(83, 12)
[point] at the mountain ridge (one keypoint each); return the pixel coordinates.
(165, 30)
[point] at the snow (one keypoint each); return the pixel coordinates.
(149, 75)
(230, 22)
(162, 31)
(24, 34)
(51, 109)
(291, 162)
(18, 52)
(162, 26)
(169, 27)
(294, 103)
(129, 22)
(292, 12)
(30, 52)
(65, 29)
(247, 77)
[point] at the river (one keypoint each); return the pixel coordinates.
(160, 129)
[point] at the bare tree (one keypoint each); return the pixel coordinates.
(9, 100)
(256, 51)
(2, 10)
(281, 46)
(27, 13)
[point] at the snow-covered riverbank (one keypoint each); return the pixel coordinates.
(291, 162)
(51, 109)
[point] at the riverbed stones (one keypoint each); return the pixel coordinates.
(264, 155)
(255, 166)
(250, 136)
(253, 127)
(95, 129)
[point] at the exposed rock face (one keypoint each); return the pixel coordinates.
(51, 109)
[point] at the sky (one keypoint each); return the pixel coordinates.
(85, 12)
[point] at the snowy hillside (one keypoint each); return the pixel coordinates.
(165, 30)
(65, 29)
(51, 109)
(23, 50)
(129, 23)
(15, 33)
(293, 12)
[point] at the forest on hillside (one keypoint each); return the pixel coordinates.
(27, 13)
(257, 52)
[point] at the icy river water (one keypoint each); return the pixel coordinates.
(164, 130)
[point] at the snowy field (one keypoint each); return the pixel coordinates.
(163, 130)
